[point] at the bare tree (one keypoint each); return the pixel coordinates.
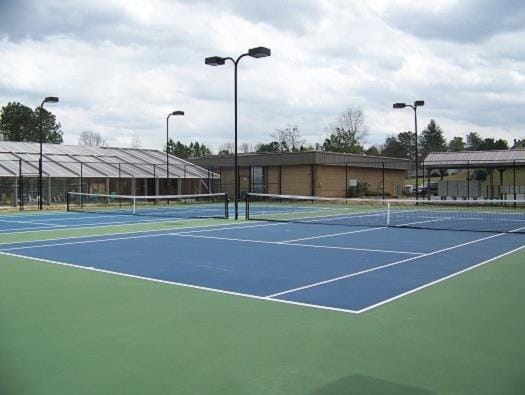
(289, 139)
(91, 139)
(351, 120)
(226, 149)
(347, 133)
(245, 148)
(135, 142)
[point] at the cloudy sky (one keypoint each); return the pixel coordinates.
(120, 66)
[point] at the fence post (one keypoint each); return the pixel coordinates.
(20, 185)
(383, 180)
(514, 179)
(312, 180)
(119, 185)
(81, 182)
(280, 180)
(468, 180)
(250, 178)
(346, 180)
(429, 173)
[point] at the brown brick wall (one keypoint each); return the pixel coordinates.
(329, 180)
(272, 179)
(296, 180)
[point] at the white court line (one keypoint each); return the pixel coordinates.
(373, 269)
(295, 244)
(166, 232)
(190, 234)
(28, 222)
(97, 225)
(334, 234)
(265, 298)
(221, 291)
(439, 280)
(359, 231)
(82, 242)
(199, 228)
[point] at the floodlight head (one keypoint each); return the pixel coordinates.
(399, 105)
(177, 113)
(51, 99)
(419, 103)
(214, 61)
(259, 52)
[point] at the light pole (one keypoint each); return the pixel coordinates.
(175, 113)
(50, 99)
(417, 103)
(259, 52)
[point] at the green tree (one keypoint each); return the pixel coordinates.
(394, 148)
(342, 140)
(474, 142)
(373, 151)
(19, 123)
(193, 150)
(273, 146)
(432, 140)
(490, 144)
(477, 143)
(400, 146)
(456, 144)
(197, 150)
(407, 140)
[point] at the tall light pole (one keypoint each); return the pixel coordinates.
(259, 52)
(175, 113)
(50, 99)
(417, 103)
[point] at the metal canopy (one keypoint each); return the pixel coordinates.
(475, 159)
(68, 161)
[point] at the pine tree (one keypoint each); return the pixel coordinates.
(431, 140)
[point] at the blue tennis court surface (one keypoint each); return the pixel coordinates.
(27, 222)
(348, 268)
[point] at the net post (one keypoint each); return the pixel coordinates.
(134, 204)
(388, 214)
(67, 202)
(247, 209)
(226, 206)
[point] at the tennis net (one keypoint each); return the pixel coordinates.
(499, 216)
(213, 205)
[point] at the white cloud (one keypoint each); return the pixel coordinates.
(120, 67)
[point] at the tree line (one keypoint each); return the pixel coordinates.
(432, 139)
(22, 123)
(346, 134)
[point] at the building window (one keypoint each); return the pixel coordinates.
(258, 183)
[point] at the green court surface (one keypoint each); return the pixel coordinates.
(70, 331)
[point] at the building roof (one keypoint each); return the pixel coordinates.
(70, 161)
(463, 159)
(302, 158)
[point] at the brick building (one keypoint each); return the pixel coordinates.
(309, 173)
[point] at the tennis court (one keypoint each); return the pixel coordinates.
(290, 255)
